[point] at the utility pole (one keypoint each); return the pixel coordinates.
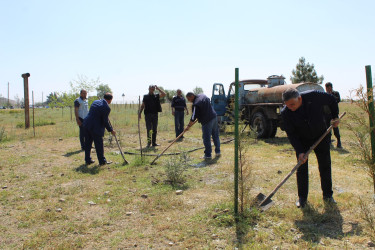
(8, 95)
(42, 99)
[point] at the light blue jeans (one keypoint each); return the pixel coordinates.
(211, 129)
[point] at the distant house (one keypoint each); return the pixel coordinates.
(4, 102)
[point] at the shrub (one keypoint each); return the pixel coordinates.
(37, 124)
(359, 126)
(175, 168)
(3, 135)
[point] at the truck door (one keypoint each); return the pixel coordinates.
(218, 100)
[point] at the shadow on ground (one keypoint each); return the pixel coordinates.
(277, 141)
(206, 162)
(314, 225)
(73, 153)
(88, 170)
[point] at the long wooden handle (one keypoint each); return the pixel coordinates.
(299, 162)
(178, 137)
(122, 154)
(118, 144)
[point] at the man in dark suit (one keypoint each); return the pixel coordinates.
(94, 124)
(304, 123)
(328, 115)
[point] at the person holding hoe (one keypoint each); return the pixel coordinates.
(206, 115)
(94, 124)
(304, 123)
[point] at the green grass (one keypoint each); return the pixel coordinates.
(39, 171)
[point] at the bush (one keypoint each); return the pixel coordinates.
(175, 168)
(37, 124)
(3, 135)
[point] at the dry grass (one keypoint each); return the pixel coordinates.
(38, 173)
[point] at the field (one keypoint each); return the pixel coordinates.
(50, 199)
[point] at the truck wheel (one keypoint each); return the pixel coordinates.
(260, 125)
(273, 129)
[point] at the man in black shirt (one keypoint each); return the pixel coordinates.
(151, 105)
(178, 106)
(328, 115)
(304, 123)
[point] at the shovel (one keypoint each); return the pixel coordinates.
(178, 137)
(265, 202)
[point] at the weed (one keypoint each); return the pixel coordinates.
(368, 215)
(175, 168)
(3, 135)
(37, 124)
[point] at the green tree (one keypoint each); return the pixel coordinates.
(83, 82)
(53, 98)
(305, 72)
(197, 90)
(169, 94)
(102, 89)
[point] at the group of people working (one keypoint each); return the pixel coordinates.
(306, 117)
(93, 122)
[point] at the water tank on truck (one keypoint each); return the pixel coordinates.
(260, 102)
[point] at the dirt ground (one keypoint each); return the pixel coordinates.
(50, 199)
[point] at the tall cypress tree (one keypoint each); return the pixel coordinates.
(305, 72)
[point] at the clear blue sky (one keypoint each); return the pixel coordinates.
(181, 43)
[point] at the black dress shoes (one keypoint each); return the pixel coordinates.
(105, 163)
(329, 200)
(90, 162)
(301, 202)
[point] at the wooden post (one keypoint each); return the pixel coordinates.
(33, 113)
(26, 99)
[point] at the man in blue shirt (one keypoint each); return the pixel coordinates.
(304, 123)
(94, 124)
(81, 109)
(206, 115)
(178, 106)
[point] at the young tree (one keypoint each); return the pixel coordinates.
(169, 94)
(305, 72)
(197, 90)
(83, 82)
(102, 89)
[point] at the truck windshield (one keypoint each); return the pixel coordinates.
(252, 86)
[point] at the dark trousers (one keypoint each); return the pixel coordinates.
(211, 129)
(336, 131)
(152, 127)
(179, 122)
(81, 135)
(99, 147)
(323, 155)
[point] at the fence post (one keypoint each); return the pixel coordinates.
(370, 98)
(236, 146)
(26, 99)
